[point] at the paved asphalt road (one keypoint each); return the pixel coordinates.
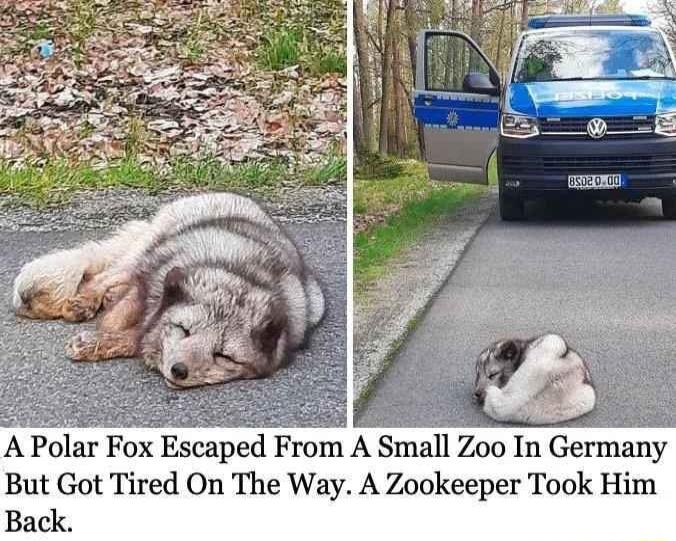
(602, 276)
(41, 387)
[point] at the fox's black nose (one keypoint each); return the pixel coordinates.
(179, 371)
(478, 396)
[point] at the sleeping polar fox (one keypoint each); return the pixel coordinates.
(537, 381)
(210, 290)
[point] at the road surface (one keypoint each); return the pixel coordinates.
(602, 276)
(41, 387)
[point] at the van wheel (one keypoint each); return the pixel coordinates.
(511, 208)
(669, 208)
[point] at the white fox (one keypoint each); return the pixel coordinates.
(537, 381)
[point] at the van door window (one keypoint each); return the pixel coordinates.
(449, 60)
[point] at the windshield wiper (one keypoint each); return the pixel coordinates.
(568, 79)
(651, 77)
(554, 80)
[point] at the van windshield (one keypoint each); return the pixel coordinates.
(593, 54)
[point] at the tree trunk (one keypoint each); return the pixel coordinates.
(396, 118)
(667, 10)
(524, 14)
(457, 51)
(411, 31)
(365, 83)
(498, 52)
(358, 120)
(512, 26)
(379, 25)
(397, 83)
(477, 11)
(386, 78)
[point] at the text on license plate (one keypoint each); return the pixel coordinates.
(594, 182)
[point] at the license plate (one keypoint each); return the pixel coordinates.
(594, 182)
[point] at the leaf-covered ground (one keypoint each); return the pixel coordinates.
(156, 80)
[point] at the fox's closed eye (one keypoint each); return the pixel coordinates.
(184, 330)
(493, 375)
(220, 358)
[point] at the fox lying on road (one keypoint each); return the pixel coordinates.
(537, 381)
(211, 290)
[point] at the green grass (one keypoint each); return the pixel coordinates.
(55, 181)
(284, 47)
(280, 49)
(328, 61)
(414, 204)
(374, 166)
(42, 30)
(212, 174)
(137, 134)
(198, 37)
(81, 20)
(251, 8)
(331, 171)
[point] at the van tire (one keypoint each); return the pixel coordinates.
(511, 208)
(669, 208)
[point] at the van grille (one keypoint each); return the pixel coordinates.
(565, 165)
(618, 126)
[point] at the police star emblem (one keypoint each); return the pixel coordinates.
(452, 119)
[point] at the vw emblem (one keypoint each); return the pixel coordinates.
(597, 128)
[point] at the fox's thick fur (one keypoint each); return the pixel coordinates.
(210, 290)
(537, 381)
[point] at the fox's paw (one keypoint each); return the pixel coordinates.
(493, 403)
(80, 308)
(114, 294)
(84, 346)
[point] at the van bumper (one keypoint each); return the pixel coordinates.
(540, 166)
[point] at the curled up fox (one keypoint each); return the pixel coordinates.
(210, 290)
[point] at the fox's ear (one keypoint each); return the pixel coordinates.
(267, 332)
(174, 287)
(508, 350)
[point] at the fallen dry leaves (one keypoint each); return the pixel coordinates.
(140, 74)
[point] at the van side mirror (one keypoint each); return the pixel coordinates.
(481, 83)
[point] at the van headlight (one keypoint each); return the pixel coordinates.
(666, 124)
(519, 126)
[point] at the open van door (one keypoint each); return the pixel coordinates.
(456, 100)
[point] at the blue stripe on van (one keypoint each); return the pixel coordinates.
(460, 114)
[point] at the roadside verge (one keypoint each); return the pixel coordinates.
(387, 311)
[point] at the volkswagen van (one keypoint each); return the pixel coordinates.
(587, 109)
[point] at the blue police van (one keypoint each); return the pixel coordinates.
(588, 109)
